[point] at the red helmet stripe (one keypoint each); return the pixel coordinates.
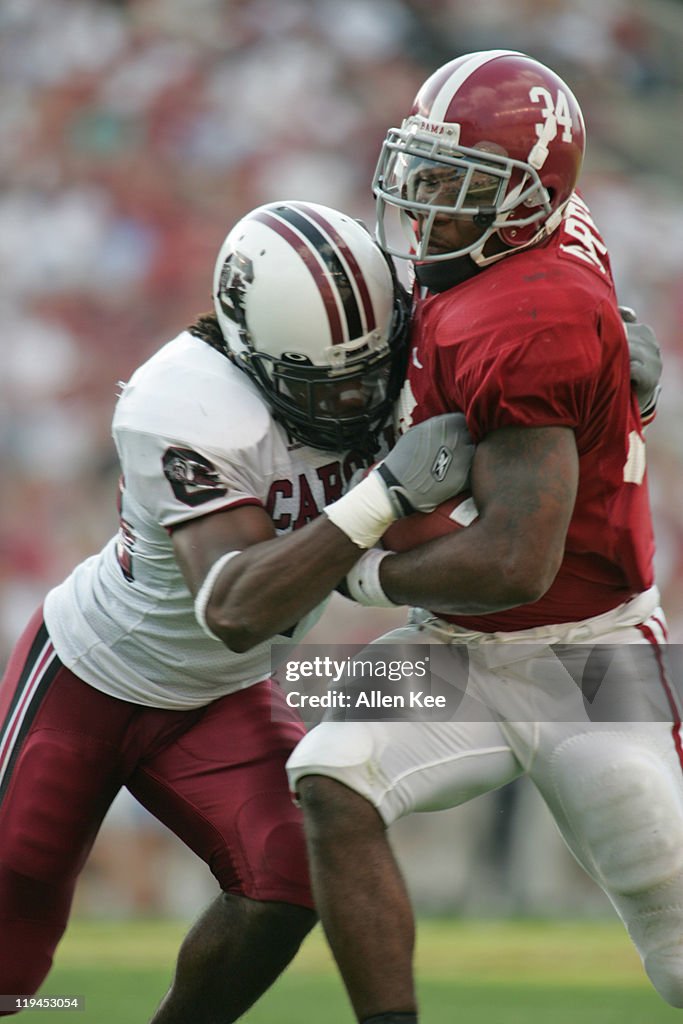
(356, 273)
(308, 257)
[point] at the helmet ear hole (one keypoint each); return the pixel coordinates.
(296, 358)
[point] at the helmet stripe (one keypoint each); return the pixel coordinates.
(339, 276)
(439, 107)
(307, 257)
(358, 277)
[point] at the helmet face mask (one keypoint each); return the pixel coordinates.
(422, 182)
(306, 302)
(495, 143)
(329, 409)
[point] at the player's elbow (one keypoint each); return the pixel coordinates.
(240, 641)
(238, 632)
(526, 578)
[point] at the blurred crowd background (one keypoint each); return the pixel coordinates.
(133, 133)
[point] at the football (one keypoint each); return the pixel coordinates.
(454, 514)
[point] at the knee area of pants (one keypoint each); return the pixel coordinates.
(627, 813)
(332, 747)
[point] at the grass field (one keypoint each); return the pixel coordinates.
(472, 972)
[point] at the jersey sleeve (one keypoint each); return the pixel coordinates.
(176, 479)
(206, 453)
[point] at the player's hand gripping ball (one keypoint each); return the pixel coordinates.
(451, 515)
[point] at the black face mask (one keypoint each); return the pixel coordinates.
(445, 274)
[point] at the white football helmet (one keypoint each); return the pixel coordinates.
(308, 306)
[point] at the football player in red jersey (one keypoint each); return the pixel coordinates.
(149, 667)
(516, 325)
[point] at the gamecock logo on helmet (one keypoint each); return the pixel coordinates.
(236, 276)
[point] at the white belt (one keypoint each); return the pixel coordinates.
(631, 613)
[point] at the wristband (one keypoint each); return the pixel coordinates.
(364, 513)
(649, 411)
(204, 593)
(363, 582)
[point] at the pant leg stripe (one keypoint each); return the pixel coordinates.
(649, 634)
(37, 645)
(661, 625)
(32, 670)
(24, 709)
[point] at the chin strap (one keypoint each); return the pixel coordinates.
(441, 275)
(444, 274)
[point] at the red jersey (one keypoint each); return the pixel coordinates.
(536, 340)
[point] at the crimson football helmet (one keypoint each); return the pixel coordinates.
(495, 138)
(311, 311)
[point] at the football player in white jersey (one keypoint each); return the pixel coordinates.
(149, 667)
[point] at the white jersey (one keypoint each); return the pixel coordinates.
(193, 437)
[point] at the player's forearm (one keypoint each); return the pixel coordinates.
(268, 587)
(468, 574)
(249, 596)
(524, 483)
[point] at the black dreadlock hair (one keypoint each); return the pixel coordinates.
(206, 327)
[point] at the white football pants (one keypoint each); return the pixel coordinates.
(614, 787)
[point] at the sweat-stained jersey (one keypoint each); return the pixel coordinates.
(536, 340)
(193, 437)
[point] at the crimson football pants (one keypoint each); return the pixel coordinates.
(214, 775)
